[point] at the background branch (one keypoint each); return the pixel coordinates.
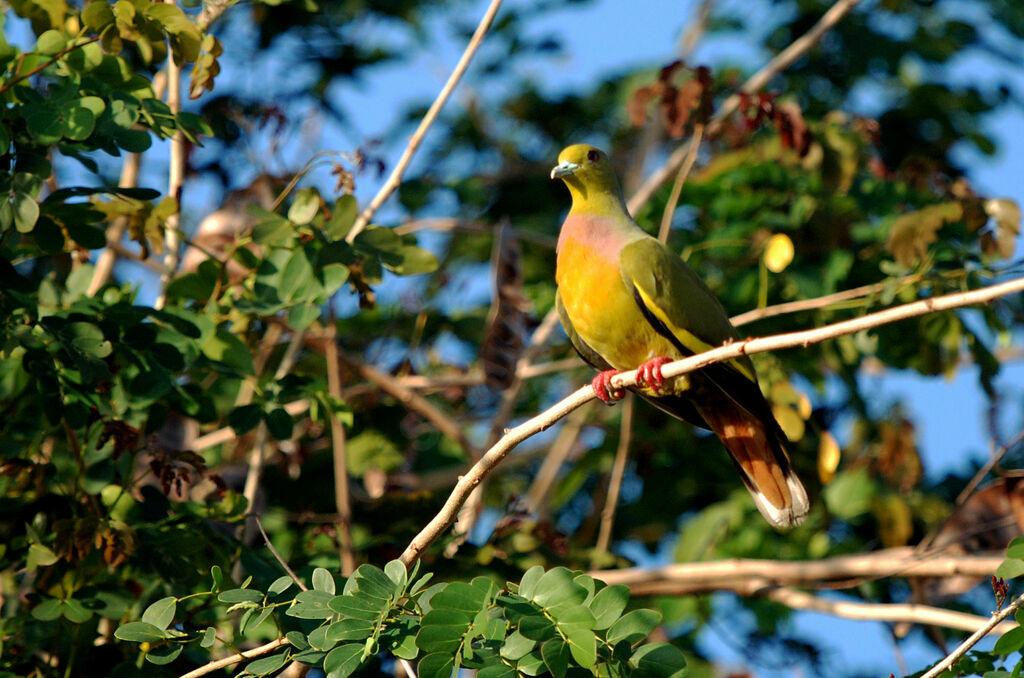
(395, 179)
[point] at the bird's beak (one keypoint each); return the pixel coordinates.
(563, 168)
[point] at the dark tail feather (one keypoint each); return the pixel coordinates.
(763, 464)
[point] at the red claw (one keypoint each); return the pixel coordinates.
(649, 374)
(602, 385)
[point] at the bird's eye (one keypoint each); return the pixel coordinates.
(593, 155)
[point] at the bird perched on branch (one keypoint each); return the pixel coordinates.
(628, 302)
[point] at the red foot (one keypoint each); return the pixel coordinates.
(649, 374)
(602, 385)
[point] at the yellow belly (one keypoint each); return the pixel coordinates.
(603, 311)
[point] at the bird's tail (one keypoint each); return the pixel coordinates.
(763, 464)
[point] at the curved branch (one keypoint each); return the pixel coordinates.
(447, 515)
(417, 138)
(885, 612)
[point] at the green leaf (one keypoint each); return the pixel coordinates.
(240, 596)
(305, 206)
(164, 654)
(582, 644)
(75, 611)
(659, 659)
(1016, 548)
(323, 580)
(51, 42)
(303, 315)
(556, 586)
(497, 671)
(39, 555)
(267, 665)
(850, 494)
(528, 584)
(161, 613)
(280, 585)
(297, 639)
(271, 229)
(280, 424)
(342, 217)
(26, 212)
(556, 657)
(608, 604)
(436, 665)
(139, 632)
(1010, 642)
(358, 607)
(311, 605)
(372, 581)
(414, 261)
(245, 418)
(1010, 568)
(342, 661)
(634, 626)
(349, 629)
(225, 347)
(48, 610)
(209, 637)
(442, 630)
(395, 570)
(516, 646)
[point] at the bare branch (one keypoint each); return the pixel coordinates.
(448, 513)
(887, 612)
(175, 182)
(677, 187)
(782, 61)
(834, 572)
(395, 179)
(341, 493)
(235, 658)
(604, 535)
(537, 495)
(277, 556)
(414, 401)
(974, 638)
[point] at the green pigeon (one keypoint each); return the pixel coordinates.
(628, 302)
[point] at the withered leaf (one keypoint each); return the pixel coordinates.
(911, 233)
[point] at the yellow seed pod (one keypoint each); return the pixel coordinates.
(828, 457)
(778, 253)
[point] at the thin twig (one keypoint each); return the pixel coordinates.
(395, 179)
(341, 491)
(537, 495)
(235, 658)
(818, 302)
(175, 182)
(604, 535)
(449, 512)
(993, 460)
(49, 62)
(413, 401)
(953, 656)
(782, 61)
(677, 187)
(277, 556)
(447, 225)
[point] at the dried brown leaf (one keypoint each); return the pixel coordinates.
(911, 233)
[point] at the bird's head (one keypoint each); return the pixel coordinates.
(588, 173)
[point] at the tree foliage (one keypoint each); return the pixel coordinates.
(131, 425)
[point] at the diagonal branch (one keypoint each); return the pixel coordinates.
(974, 638)
(417, 138)
(448, 513)
(781, 62)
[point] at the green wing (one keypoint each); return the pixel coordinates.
(681, 308)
